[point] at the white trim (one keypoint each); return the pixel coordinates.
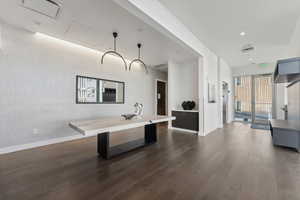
(155, 95)
(21, 147)
(185, 130)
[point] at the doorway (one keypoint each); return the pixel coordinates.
(161, 97)
(262, 101)
(253, 99)
(243, 98)
(225, 102)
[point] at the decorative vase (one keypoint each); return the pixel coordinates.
(188, 105)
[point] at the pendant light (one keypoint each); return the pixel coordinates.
(115, 35)
(139, 45)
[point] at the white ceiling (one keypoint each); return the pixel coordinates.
(269, 25)
(91, 23)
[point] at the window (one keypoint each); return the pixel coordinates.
(238, 81)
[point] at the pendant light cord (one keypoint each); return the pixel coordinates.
(139, 46)
(115, 35)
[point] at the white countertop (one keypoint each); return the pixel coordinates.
(186, 110)
(111, 124)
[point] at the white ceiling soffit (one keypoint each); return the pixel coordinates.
(48, 8)
(91, 24)
(162, 67)
(268, 25)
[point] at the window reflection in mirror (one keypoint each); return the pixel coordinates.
(86, 90)
(111, 92)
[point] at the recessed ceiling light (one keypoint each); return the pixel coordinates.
(242, 34)
(250, 59)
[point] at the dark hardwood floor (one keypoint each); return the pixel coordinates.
(231, 163)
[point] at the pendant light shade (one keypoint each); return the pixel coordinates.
(138, 59)
(114, 52)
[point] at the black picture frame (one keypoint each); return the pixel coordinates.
(98, 90)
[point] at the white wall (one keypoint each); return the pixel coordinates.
(216, 71)
(37, 85)
(0, 38)
(226, 76)
(211, 110)
(173, 83)
(183, 83)
(281, 100)
(159, 17)
(294, 47)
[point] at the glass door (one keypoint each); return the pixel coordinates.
(243, 98)
(253, 99)
(262, 99)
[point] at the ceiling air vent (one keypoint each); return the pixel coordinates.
(45, 7)
(247, 48)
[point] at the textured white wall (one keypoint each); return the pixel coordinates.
(293, 102)
(37, 86)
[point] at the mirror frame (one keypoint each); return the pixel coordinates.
(98, 90)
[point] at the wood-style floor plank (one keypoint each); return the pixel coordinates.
(235, 162)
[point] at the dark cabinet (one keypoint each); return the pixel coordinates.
(186, 120)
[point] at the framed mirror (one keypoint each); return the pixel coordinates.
(99, 91)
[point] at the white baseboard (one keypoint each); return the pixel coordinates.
(185, 130)
(22, 147)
